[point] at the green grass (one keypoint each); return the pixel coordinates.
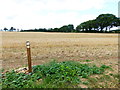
(66, 74)
(104, 81)
(88, 60)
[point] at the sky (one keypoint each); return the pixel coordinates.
(30, 14)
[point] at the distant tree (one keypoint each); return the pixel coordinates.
(35, 29)
(50, 30)
(11, 29)
(95, 25)
(5, 29)
(103, 21)
(63, 28)
(71, 28)
(78, 28)
(106, 21)
(82, 27)
(116, 22)
(66, 28)
(55, 30)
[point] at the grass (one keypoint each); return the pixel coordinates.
(66, 74)
(104, 81)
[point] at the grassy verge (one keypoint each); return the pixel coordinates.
(66, 74)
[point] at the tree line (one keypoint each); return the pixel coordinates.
(11, 29)
(65, 28)
(102, 23)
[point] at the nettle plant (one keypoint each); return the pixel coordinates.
(53, 74)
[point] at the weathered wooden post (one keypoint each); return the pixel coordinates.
(29, 56)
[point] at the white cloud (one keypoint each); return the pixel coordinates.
(46, 13)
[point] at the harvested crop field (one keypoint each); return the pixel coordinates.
(94, 48)
(99, 48)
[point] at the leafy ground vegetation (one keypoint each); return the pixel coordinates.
(65, 74)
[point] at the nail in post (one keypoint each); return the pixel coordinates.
(29, 56)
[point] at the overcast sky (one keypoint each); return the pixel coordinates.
(30, 14)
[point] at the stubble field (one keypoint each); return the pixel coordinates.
(98, 48)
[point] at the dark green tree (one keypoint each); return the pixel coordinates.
(103, 21)
(5, 29)
(106, 21)
(71, 28)
(67, 28)
(11, 29)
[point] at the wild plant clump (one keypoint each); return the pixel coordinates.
(52, 75)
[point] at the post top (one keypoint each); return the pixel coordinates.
(28, 43)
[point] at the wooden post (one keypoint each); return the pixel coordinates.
(29, 56)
